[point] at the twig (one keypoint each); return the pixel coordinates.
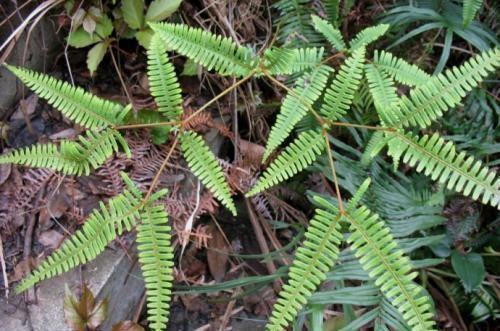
(124, 86)
(4, 269)
(334, 173)
(186, 233)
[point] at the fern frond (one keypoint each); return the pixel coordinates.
(100, 228)
(73, 102)
(338, 97)
(469, 10)
(316, 256)
(163, 82)
(204, 165)
(440, 160)
(156, 258)
(377, 141)
(382, 90)
(333, 35)
(429, 101)
(301, 153)
(207, 49)
(287, 61)
(70, 157)
(399, 69)
(368, 35)
(332, 9)
(379, 255)
(295, 106)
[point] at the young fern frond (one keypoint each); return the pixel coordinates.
(204, 165)
(382, 90)
(316, 256)
(368, 35)
(379, 255)
(377, 142)
(163, 83)
(73, 102)
(333, 35)
(156, 256)
(440, 160)
(469, 10)
(295, 106)
(70, 157)
(399, 69)
(338, 97)
(100, 228)
(301, 153)
(209, 50)
(429, 101)
(287, 61)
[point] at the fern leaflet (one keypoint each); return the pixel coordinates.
(70, 157)
(296, 157)
(204, 165)
(338, 97)
(101, 227)
(399, 69)
(440, 160)
(156, 258)
(379, 255)
(382, 90)
(73, 102)
(428, 102)
(469, 10)
(331, 34)
(209, 50)
(287, 61)
(295, 106)
(163, 82)
(368, 35)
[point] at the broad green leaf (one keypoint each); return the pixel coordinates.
(81, 38)
(95, 56)
(161, 9)
(470, 268)
(190, 68)
(133, 13)
(144, 37)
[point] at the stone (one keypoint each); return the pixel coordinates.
(13, 316)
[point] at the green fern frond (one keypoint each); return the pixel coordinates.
(331, 34)
(382, 90)
(332, 9)
(209, 50)
(379, 255)
(295, 106)
(100, 228)
(287, 61)
(204, 165)
(368, 35)
(70, 157)
(377, 142)
(156, 258)
(469, 10)
(73, 102)
(301, 153)
(338, 97)
(316, 256)
(429, 101)
(440, 160)
(163, 82)
(399, 69)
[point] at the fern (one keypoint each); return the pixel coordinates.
(312, 261)
(163, 82)
(331, 34)
(101, 227)
(296, 157)
(209, 50)
(368, 35)
(378, 254)
(382, 90)
(338, 97)
(332, 9)
(440, 160)
(156, 258)
(203, 164)
(399, 69)
(286, 61)
(79, 106)
(428, 102)
(469, 10)
(295, 106)
(70, 157)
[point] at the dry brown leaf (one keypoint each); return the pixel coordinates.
(50, 238)
(251, 153)
(84, 312)
(217, 256)
(4, 172)
(127, 326)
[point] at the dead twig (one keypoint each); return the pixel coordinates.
(4, 269)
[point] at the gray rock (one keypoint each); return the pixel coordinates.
(13, 317)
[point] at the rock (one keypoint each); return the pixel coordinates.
(13, 317)
(111, 275)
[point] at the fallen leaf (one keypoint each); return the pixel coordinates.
(251, 153)
(217, 253)
(4, 172)
(84, 312)
(127, 326)
(50, 238)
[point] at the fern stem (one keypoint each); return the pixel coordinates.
(334, 172)
(147, 125)
(353, 125)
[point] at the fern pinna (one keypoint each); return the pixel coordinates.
(328, 105)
